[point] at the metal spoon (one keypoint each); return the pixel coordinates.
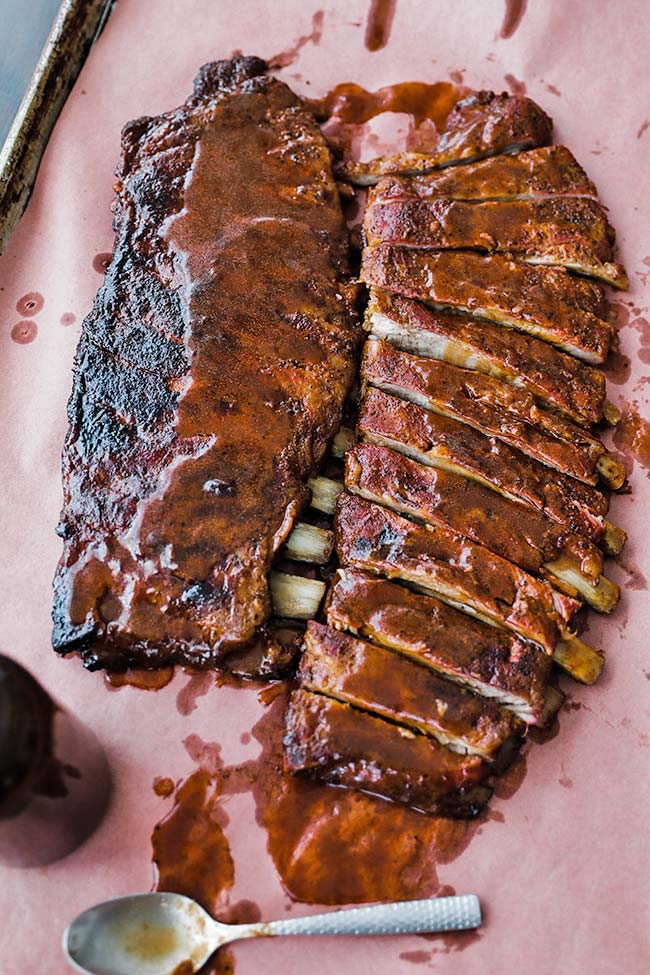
(154, 934)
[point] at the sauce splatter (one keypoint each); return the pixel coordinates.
(163, 786)
(632, 436)
(618, 368)
(379, 23)
(516, 87)
(30, 304)
(24, 332)
(144, 680)
(290, 56)
(198, 685)
(642, 128)
(515, 10)
(68, 318)
(101, 262)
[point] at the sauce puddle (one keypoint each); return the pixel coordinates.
(330, 846)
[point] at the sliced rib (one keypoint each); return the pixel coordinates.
(336, 743)
(439, 442)
(391, 686)
(508, 528)
(490, 661)
(492, 407)
(481, 125)
(546, 172)
(458, 571)
(546, 302)
(568, 232)
(559, 381)
(209, 380)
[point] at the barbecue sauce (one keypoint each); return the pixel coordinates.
(632, 436)
(379, 23)
(54, 780)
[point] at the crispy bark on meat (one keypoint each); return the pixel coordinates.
(488, 660)
(498, 410)
(331, 741)
(546, 302)
(455, 569)
(569, 232)
(508, 528)
(483, 124)
(545, 172)
(559, 381)
(210, 376)
(391, 686)
(435, 440)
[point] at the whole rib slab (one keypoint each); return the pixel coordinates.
(209, 377)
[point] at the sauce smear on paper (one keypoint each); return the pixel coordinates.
(632, 436)
(379, 23)
(515, 10)
(144, 680)
(24, 332)
(30, 304)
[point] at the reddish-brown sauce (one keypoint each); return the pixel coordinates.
(285, 58)
(515, 10)
(30, 304)
(68, 318)
(632, 436)
(163, 786)
(24, 332)
(101, 262)
(198, 684)
(145, 680)
(516, 86)
(379, 23)
(349, 107)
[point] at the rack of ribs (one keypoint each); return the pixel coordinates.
(209, 378)
(471, 519)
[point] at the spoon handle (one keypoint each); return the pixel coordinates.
(403, 917)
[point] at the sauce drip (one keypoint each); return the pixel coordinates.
(101, 262)
(144, 680)
(291, 55)
(30, 304)
(24, 332)
(515, 10)
(632, 436)
(379, 23)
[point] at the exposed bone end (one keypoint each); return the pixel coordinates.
(552, 704)
(307, 543)
(343, 440)
(324, 493)
(611, 472)
(603, 596)
(611, 414)
(295, 597)
(579, 660)
(614, 538)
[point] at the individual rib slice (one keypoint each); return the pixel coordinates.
(546, 302)
(336, 743)
(492, 407)
(549, 171)
(435, 440)
(481, 125)
(393, 687)
(559, 381)
(508, 528)
(490, 661)
(569, 232)
(458, 571)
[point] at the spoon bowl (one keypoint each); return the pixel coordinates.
(166, 934)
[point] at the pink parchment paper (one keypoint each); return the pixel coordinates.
(564, 879)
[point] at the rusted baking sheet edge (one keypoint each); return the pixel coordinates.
(77, 25)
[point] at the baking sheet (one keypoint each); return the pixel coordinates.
(563, 870)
